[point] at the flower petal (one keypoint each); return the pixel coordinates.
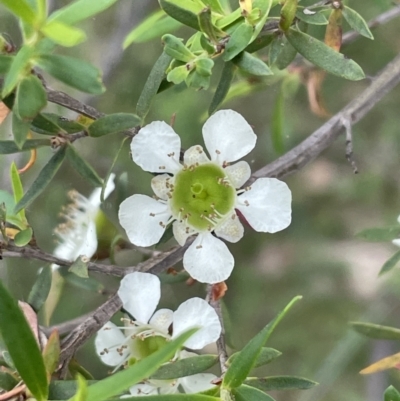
(152, 145)
(238, 173)
(194, 155)
(160, 184)
(208, 259)
(181, 232)
(196, 312)
(94, 198)
(140, 294)
(228, 133)
(162, 319)
(144, 219)
(231, 229)
(107, 340)
(197, 383)
(396, 242)
(266, 205)
(142, 389)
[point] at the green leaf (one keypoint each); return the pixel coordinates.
(5, 63)
(20, 130)
(121, 381)
(42, 180)
(391, 394)
(53, 124)
(22, 345)
(288, 12)
(113, 124)
(80, 10)
(264, 6)
(83, 167)
(215, 6)
(73, 72)
(357, 22)
(278, 124)
(286, 55)
(79, 267)
(324, 57)
(154, 26)
(30, 99)
(51, 352)
(174, 47)
(87, 284)
(187, 16)
(260, 42)
(204, 66)
(16, 69)
(152, 85)
(245, 361)
(311, 17)
(376, 331)
(174, 397)
(82, 392)
(63, 34)
(390, 263)
(185, 367)
(18, 190)
(267, 355)
(64, 389)
(40, 289)
(207, 26)
(251, 64)
(178, 74)
(7, 381)
(378, 234)
(9, 147)
(238, 41)
(21, 9)
(280, 383)
(23, 237)
(247, 393)
(8, 200)
(224, 84)
(197, 81)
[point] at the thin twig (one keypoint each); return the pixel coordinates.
(349, 144)
(12, 393)
(221, 346)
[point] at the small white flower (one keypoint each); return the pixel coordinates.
(140, 294)
(397, 240)
(200, 196)
(78, 233)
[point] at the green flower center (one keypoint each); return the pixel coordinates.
(202, 195)
(149, 345)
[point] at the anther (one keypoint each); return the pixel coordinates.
(152, 214)
(161, 167)
(171, 154)
(246, 202)
(199, 246)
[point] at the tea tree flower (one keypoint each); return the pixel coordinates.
(78, 233)
(201, 195)
(397, 240)
(150, 330)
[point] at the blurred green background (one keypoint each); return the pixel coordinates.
(318, 256)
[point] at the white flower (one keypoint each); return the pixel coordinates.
(201, 195)
(140, 294)
(189, 384)
(78, 234)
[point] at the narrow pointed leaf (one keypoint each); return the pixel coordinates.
(251, 64)
(63, 34)
(40, 289)
(186, 16)
(266, 355)
(273, 383)
(357, 22)
(238, 41)
(380, 234)
(51, 352)
(288, 12)
(247, 393)
(83, 167)
(9, 147)
(174, 47)
(391, 394)
(185, 367)
(20, 130)
(376, 331)
(389, 362)
(73, 72)
(324, 57)
(286, 55)
(152, 84)
(7, 381)
(113, 124)
(64, 389)
(390, 263)
(21, 9)
(82, 392)
(42, 180)
(18, 190)
(312, 18)
(121, 381)
(224, 84)
(16, 68)
(80, 10)
(245, 361)
(31, 98)
(22, 345)
(53, 124)
(5, 63)
(278, 124)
